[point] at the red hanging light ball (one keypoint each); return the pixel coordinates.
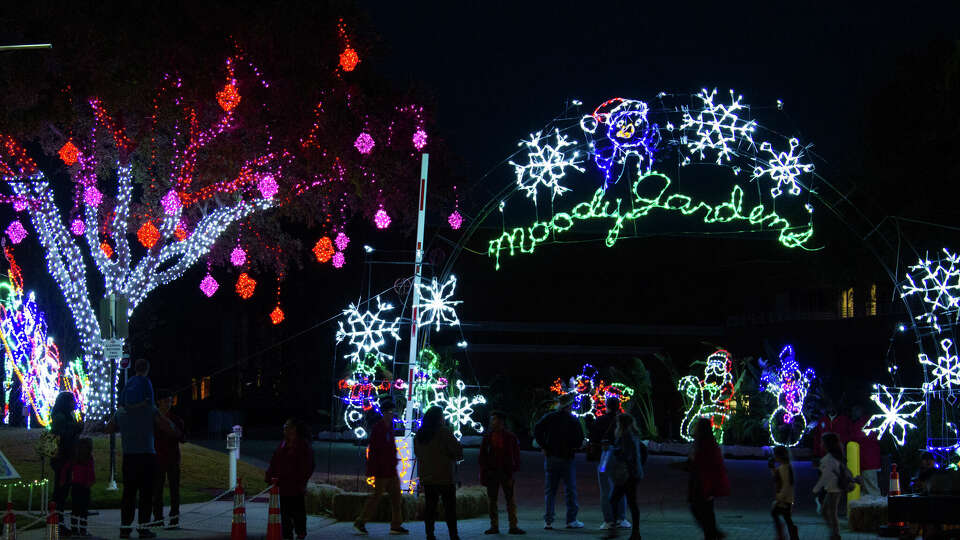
(277, 316)
(349, 59)
(323, 250)
(69, 153)
(148, 235)
(246, 286)
(228, 97)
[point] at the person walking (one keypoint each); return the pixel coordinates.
(560, 435)
(829, 482)
(499, 459)
(627, 472)
(382, 466)
(783, 483)
(602, 435)
(82, 477)
(167, 443)
(66, 427)
(437, 452)
(708, 479)
(291, 466)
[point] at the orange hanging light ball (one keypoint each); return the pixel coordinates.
(228, 97)
(276, 316)
(148, 235)
(106, 249)
(69, 153)
(349, 59)
(323, 250)
(245, 286)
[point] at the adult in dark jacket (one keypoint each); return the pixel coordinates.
(602, 434)
(629, 471)
(63, 424)
(437, 452)
(292, 465)
(167, 443)
(382, 466)
(708, 478)
(499, 458)
(560, 435)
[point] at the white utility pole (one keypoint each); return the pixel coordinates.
(417, 273)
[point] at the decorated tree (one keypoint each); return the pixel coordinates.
(206, 166)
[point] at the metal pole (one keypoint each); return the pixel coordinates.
(418, 265)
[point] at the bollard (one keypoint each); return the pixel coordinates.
(274, 529)
(9, 524)
(238, 529)
(53, 522)
(893, 529)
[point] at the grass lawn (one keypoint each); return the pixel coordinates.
(203, 472)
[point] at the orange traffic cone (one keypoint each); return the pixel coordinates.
(894, 528)
(274, 530)
(53, 522)
(9, 524)
(238, 530)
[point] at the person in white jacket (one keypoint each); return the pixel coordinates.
(830, 471)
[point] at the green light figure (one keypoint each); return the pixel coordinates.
(710, 397)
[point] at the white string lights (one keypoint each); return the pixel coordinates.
(367, 331)
(894, 416)
(546, 165)
(717, 127)
(436, 305)
(458, 409)
(945, 371)
(938, 285)
(783, 168)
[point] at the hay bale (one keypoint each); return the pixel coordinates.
(867, 514)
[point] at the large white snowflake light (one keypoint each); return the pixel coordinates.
(436, 306)
(458, 409)
(945, 371)
(783, 168)
(546, 165)
(717, 126)
(895, 412)
(367, 330)
(939, 284)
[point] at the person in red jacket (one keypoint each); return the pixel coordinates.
(708, 478)
(832, 422)
(168, 435)
(382, 466)
(82, 477)
(291, 467)
(499, 459)
(870, 460)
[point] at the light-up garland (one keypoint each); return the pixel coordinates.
(589, 394)
(789, 386)
(708, 397)
(436, 306)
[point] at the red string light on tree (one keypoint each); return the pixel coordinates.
(69, 153)
(148, 235)
(349, 57)
(245, 286)
(323, 250)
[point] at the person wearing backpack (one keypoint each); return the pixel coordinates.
(835, 479)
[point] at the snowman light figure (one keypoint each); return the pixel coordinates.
(710, 397)
(790, 386)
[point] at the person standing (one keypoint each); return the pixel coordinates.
(63, 424)
(382, 466)
(830, 472)
(783, 483)
(602, 434)
(437, 452)
(708, 478)
(167, 443)
(560, 435)
(832, 422)
(628, 471)
(499, 459)
(291, 466)
(82, 477)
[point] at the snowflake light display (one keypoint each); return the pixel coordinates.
(455, 220)
(628, 135)
(789, 386)
(717, 126)
(338, 260)
(16, 232)
(381, 219)
(171, 203)
(77, 227)
(267, 186)
(209, 285)
(245, 286)
(323, 249)
(364, 143)
(341, 241)
(945, 371)
(69, 153)
(238, 256)
(436, 305)
(938, 284)
(709, 397)
(419, 139)
(783, 168)
(894, 416)
(546, 165)
(458, 409)
(367, 331)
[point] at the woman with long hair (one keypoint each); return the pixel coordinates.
(782, 473)
(628, 470)
(830, 471)
(63, 424)
(437, 452)
(708, 478)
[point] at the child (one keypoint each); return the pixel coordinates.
(292, 465)
(499, 459)
(81, 479)
(782, 473)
